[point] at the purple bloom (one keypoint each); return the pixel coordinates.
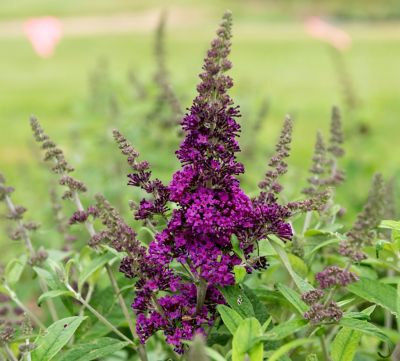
(209, 208)
(335, 276)
(312, 297)
(328, 313)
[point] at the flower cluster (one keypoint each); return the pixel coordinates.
(61, 167)
(277, 163)
(10, 319)
(335, 276)
(319, 313)
(192, 257)
(22, 229)
(141, 178)
(324, 170)
(328, 310)
(364, 229)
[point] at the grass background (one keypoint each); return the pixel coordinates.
(273, 58)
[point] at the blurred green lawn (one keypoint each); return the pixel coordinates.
(273, 59)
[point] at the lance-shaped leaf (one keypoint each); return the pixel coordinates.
(55, 338)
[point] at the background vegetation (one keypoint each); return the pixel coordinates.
(275, 63)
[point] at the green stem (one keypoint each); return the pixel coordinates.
(324, 349)
(99, 316)
(28, 353)
(9, 353)
(92, 232)
(201, 295)
(125, 311)
(31, 251)
(18, 302)
(307, 221)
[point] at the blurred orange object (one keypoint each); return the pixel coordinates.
(44, 33)
(323, 30)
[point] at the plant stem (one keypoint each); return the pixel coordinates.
(324, 349)
(92, 232)
(9, 353)
(201, 294)
(17, 301)
(99, 316)
(28, 353)
(125, 311)
(307, 222)
(31, 251)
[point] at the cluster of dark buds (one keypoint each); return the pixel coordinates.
(141, 178)
(277, 164)
(319, 313)
(326, 310)
(335, 276)
(10, 319)
(120, 236)
(192, 257)
(364, 228)
(22, 228)
(324, 170)
(270, 187)
(55, 154)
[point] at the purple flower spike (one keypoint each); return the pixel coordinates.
(209, 209)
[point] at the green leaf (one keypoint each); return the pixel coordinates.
(293, 297)
(146, 235)
(368, 329)
(298, 265)
(243, 341)
(14, 269)
(93, 266)
(389, 224)
(214, 355)
(345, 344)
(240, 273)
(50, 277)
(53, 294)
(236, 247)
(93, 350)
(281, 351)
(260, 310)
(230, 318)
(238, 300)
(55, 338)
(321, 245)
(301, 284)
(376, 292)
(284, 330)
(398, 299)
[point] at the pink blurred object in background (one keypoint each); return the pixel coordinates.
(323, 30)
(44, 34)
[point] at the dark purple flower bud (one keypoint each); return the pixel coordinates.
(78, 217)
(6, 335)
